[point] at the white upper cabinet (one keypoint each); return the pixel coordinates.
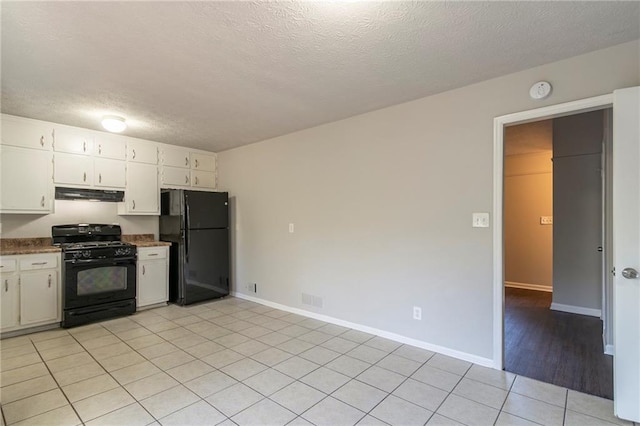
(109, 146)
(142, 196)
(203, 162)
(142, 152)
(109, 173)
(25, 180)
(203, 179)
(73, 169)
(73, 141)
(174, 176)
(26, 133)
(175, 157)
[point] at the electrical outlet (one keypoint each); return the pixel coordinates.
(480, 220)
(417, 313)
(291, 228)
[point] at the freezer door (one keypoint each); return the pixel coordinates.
(206, 210)
(206, 268)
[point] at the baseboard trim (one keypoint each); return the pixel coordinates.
(608, 350)
(576, 310)
(485, 362)
(527, 286)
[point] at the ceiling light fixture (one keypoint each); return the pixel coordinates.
(113, 123)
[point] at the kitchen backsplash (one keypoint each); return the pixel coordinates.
(67, 212)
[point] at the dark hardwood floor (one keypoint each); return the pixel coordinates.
(555, 347)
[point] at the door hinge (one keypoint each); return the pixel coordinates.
(613, 272)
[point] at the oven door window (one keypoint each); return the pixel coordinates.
(102, 280)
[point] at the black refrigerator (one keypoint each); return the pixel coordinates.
(196, 223)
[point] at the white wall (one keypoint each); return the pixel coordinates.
(382, 205)
(69, 212)
(528, 195)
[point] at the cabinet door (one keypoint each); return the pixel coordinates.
(142, 193)
(38, 297)
(110, 146)
(25, 180)
(152, 282)
(142, 152)
(203, 179)
(204, 162)
(72, 169)
(109, 173)
(9, 301)
(173, 176)
(72, 141)
(26, 133)
(175, 157)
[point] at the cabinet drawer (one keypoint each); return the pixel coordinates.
(152, 253)
(7, 265)
(35, 262)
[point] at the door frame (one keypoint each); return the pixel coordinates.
(499, 124)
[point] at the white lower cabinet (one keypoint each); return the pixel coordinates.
(10, 301)
(38, 297)
(153, 276)
(30, 295)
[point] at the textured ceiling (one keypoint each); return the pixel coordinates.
(215, 75)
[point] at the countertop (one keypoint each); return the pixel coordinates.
(144, 240)
(13, 246)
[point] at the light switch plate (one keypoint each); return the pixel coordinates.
(480, 220)
(291, 228)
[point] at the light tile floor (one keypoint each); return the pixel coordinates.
(232, 361)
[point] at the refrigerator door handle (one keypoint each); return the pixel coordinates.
(186, 229)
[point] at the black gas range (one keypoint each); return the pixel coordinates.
(98, 272)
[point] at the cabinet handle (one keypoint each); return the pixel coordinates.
(41, 140)
(186, 179)
(6, 285)
(99, 177)
(42, 201)
(49, 280)
(143, 270)
(196, 180)
(152, 254)
(38, 263)
(133, 202)
(84, 146)
(196, 163)
(100, 149)
(134, 154)
(186, 161)
(84, 177)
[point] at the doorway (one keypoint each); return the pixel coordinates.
(501, 123)
(554, 258)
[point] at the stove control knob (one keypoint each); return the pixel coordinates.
(86, 253)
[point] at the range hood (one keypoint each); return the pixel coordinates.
(63, 193)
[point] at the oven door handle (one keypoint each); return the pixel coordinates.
(118, 261)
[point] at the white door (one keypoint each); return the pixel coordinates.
(626, 253)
